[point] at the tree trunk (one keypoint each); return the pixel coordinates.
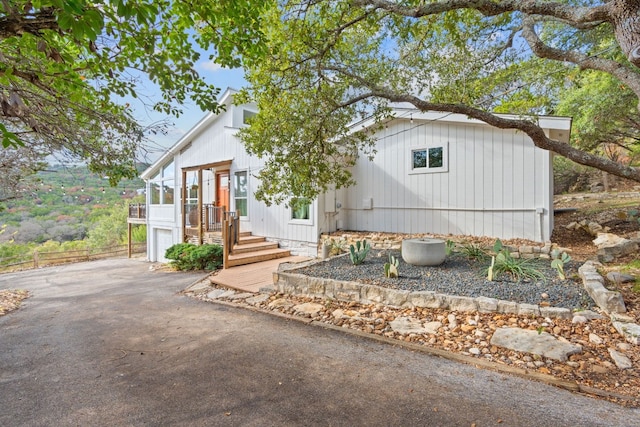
(626, 22)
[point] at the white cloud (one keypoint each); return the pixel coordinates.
(209, 66)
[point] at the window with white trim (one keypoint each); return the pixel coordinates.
(429, 159)
(240, 192)
(247, 115)
(162, 185)
(301, 210)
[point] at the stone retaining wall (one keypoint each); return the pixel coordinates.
(286, 281)
(289, 282)
(390, 241)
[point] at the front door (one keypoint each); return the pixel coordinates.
(222, 191)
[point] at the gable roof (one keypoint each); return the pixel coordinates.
(225, 99)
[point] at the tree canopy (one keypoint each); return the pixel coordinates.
(66, 67)
(332, 63)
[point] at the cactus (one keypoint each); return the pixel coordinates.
(359, 252)
(391, 267)
(449, 246)
(558, 260)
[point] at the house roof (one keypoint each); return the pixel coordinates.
(560, 125)
(225, 99)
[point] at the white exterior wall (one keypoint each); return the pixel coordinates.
(495, 183)
(217, 142)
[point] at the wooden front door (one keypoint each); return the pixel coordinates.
(222, 190)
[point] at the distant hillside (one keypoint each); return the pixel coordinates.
(63, 204)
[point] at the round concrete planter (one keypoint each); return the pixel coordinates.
(423, 251)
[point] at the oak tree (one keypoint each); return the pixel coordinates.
(67, 66)
(331, 63)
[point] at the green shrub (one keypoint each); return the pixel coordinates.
(473, 252)
(503, 264)
(187, 256)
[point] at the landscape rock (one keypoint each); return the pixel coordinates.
(240, 295)
(579, 319)
(590, 315)
(216, 293)
(621, 361)
(611, 246)
(432, 327)
(618, 277)
(595, 339)
(530, 341)
(407, 325)
(257, 299)
(310, 308)
(280, 303)
(630, 331)
(200, 286)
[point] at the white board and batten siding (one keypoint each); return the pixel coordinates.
(496, 183)
(214, 140)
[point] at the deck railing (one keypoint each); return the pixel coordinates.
(138, 210)
(212, 218)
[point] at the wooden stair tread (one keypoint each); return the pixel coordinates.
(243, 240)
(252, 247)
(257, 256)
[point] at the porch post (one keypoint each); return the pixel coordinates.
(129, 249)
(200, 233)
(183, 199)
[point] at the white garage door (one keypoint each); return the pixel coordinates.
(164, 240)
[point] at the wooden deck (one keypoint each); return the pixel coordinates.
(252, 277)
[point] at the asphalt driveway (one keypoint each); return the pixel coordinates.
(112, 343)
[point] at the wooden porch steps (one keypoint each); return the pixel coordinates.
(251, 249)
(257, 256)
(245, 239)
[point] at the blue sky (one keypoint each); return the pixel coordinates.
(213, 74)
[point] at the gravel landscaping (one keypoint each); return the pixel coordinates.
(460, 276)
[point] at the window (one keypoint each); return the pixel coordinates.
(300, 208)
(162, 186)
(247, 116)
(429, 159)
(240, 192)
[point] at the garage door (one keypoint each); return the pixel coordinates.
(164, 240)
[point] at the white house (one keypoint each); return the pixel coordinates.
(433, 172)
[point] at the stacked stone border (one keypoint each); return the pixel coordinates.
(390, 241)
(287, 281)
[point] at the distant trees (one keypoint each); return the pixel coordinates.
(67, 65)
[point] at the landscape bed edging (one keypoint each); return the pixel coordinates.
(287, 282)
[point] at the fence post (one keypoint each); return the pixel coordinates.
(35, 259)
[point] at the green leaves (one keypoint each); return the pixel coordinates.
(69, 62)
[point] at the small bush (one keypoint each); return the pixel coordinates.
(187, 256)
(474, 252)
(503, 264)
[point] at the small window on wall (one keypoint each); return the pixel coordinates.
(300, 208)
(247, 115)
(429, 159)
(240, 192)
